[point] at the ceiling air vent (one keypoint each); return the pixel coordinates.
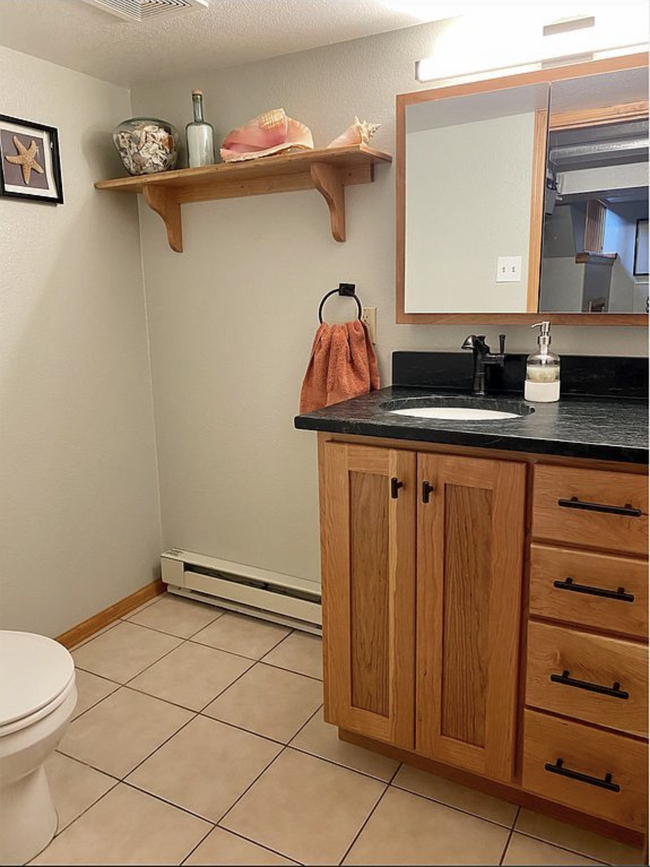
(146, 10)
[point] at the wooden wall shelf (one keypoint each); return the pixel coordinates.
(327, 171)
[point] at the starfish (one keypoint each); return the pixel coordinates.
(26, 159)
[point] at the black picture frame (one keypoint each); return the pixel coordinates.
(641, 248)
(42, 184)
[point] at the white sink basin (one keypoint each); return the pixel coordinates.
(458, 408)
(458, 413)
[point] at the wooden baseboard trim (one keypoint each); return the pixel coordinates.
(109, 615)
(512, 794)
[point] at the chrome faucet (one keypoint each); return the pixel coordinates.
(482, 358)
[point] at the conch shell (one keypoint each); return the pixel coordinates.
(270, 133)
(360, 132)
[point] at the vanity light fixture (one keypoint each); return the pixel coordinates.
(551, 43)
(426, 71)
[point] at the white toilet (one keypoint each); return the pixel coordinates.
(37, 697)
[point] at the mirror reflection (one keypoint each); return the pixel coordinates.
(595, 208)
(527, 199)
(469, 175)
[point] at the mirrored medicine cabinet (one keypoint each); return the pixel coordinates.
(524, 196)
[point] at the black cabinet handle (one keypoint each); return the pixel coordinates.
(569, 584)
(575, 503)
(558, 768)
(395, 485)
(612, 691)
(427, 489)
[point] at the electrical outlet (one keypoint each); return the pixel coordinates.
(369, 316)
(508, 269)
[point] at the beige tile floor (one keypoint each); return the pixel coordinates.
(199, 739)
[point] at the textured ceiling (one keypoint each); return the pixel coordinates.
(82, 37)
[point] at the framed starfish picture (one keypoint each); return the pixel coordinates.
(30, 166)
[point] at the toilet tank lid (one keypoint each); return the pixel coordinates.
(34, 670)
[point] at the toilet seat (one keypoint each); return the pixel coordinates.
(36, 673)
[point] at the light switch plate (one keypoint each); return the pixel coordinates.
(508, 269)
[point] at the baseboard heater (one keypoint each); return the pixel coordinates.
(271, 596)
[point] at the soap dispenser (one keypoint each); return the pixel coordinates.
(542, 369)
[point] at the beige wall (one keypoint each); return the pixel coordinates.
(232, 318)
(79, 513)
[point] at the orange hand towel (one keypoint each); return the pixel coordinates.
(342, 365)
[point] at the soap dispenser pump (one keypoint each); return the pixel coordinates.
(542, 369)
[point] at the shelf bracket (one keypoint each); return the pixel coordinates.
(327, 180)
(161, 202)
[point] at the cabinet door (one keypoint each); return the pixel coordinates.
(470, 555)
(368, 574)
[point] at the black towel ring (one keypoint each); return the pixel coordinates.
(344, 289)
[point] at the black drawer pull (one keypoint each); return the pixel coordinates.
(575, 503)
(427, 489)
(569, 584)
(558, 768)
(612, 691)
(395, 485)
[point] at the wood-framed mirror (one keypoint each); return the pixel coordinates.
(525, 196)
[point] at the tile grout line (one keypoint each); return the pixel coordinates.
(163, 632)
(184, 707)
(293, 631)
(292, 670)
(202, 840)
(248, 788)
(368, 817)
(148, 756)
(99, 701)
(510, 833)
(281, 641)
(76, 818)
(98, 634)
(170, 803)
(454, 807)
(565, 848)
(147, 667)
(240, 837)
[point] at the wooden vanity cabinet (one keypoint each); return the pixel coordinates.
(485, 617)
(394, 520)
(587, 651)
(368, 566)
(470, 549)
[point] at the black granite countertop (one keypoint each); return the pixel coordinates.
(599, 428)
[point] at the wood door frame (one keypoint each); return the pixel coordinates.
(559, 120)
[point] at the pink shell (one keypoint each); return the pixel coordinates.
(269, 133)
(359, 132)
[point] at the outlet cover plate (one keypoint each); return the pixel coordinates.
(508, 269)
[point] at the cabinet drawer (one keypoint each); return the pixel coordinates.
(571, 764)
(591, 508)
(599, 590)
(590, 677)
